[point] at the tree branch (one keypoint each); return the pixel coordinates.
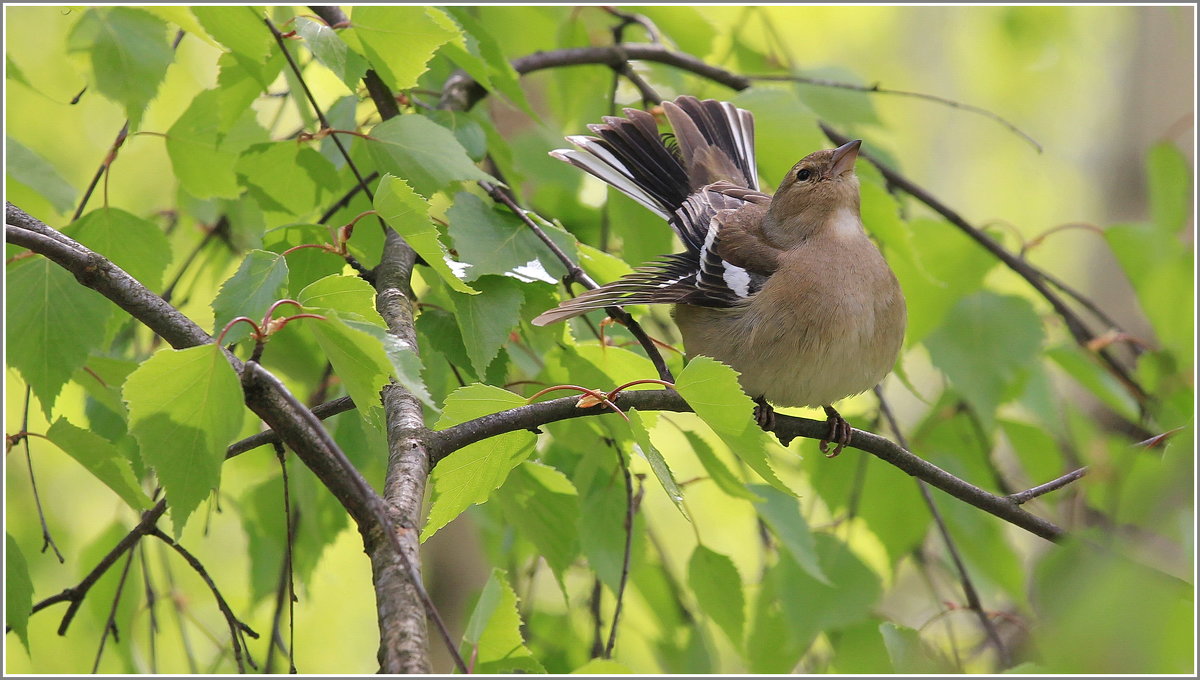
(531, 417)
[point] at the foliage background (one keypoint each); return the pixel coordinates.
(1095, 85)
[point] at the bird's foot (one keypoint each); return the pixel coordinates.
(764, 415)
(839, 433)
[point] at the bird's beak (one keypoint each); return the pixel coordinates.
(844, 157)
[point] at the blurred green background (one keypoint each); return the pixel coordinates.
(1094, 85)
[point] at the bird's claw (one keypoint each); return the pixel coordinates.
(839, 433)
(764, 415)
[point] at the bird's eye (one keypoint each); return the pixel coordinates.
(803, 175)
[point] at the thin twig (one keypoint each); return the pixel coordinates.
(973, 601)
(47, 539)
(110, 624)
(1053, 485)
(237, 629)
(323, 411)
(628, 552)
(876, 89)
(151, 608)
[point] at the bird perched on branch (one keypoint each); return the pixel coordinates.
(787, 288)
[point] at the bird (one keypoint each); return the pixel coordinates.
(786, 288)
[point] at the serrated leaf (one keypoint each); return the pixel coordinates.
(781, 513)
(486, 319)
(132, 243)
(259, 281)
(422, 152)
(603, 503)
(398, 41)
(307, 265)
(53, 324)
(29, 168)
(493, 636)
(543, 505)
(349, 295)
(185, 407)
(641, 438)
(711, 388)
(405, 363)
(332, 51)
(718, 588)
(18, 590)
(468, 476)
(408, 214)
(129, 55)
(102, 459)
(439, 332)
(467, 129)
(494, 242)
(984, 346)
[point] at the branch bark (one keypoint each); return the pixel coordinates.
(443, 442)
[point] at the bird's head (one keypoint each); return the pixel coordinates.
(819, 192)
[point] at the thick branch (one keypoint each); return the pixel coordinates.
(529, 417)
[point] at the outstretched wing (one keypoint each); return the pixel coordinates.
(700, 276)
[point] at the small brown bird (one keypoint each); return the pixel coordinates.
(787, 289)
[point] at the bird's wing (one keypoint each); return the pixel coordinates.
(701, 276)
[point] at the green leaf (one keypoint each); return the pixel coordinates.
(603, 667)
(836, 104)
(468, 476)
(18, 590)
(1087, 371)
(602, 509)
(288, 178)
(183, 18)
(486, 319)
(712, 390)
(949, 265)
(772, 645)
(812, 607)
(1159, 265)
(240, 29)
(351, 296)
(129, 55)
(422, 152)
(29, 168)
(132, 243)
(779, 114)
(306, 265)
(399, 41)
(641, 439)
(718, 589)
(478, 53)
(321, 520)
(408, 214)
(53, 324)
(1169, 176)
(543, 505)
(984, 347)
(102, 459)
(403, 359)
(259, 281)
(781, 512)
(332, 51)
(860, 649)
(908, 654)
(495, 242)
(185, 407)
(439, 332)
(358, 358)
(493, 636)
(717, 471)
(204, 151)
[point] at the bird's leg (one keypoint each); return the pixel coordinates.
(839, 433)
(764, 415)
